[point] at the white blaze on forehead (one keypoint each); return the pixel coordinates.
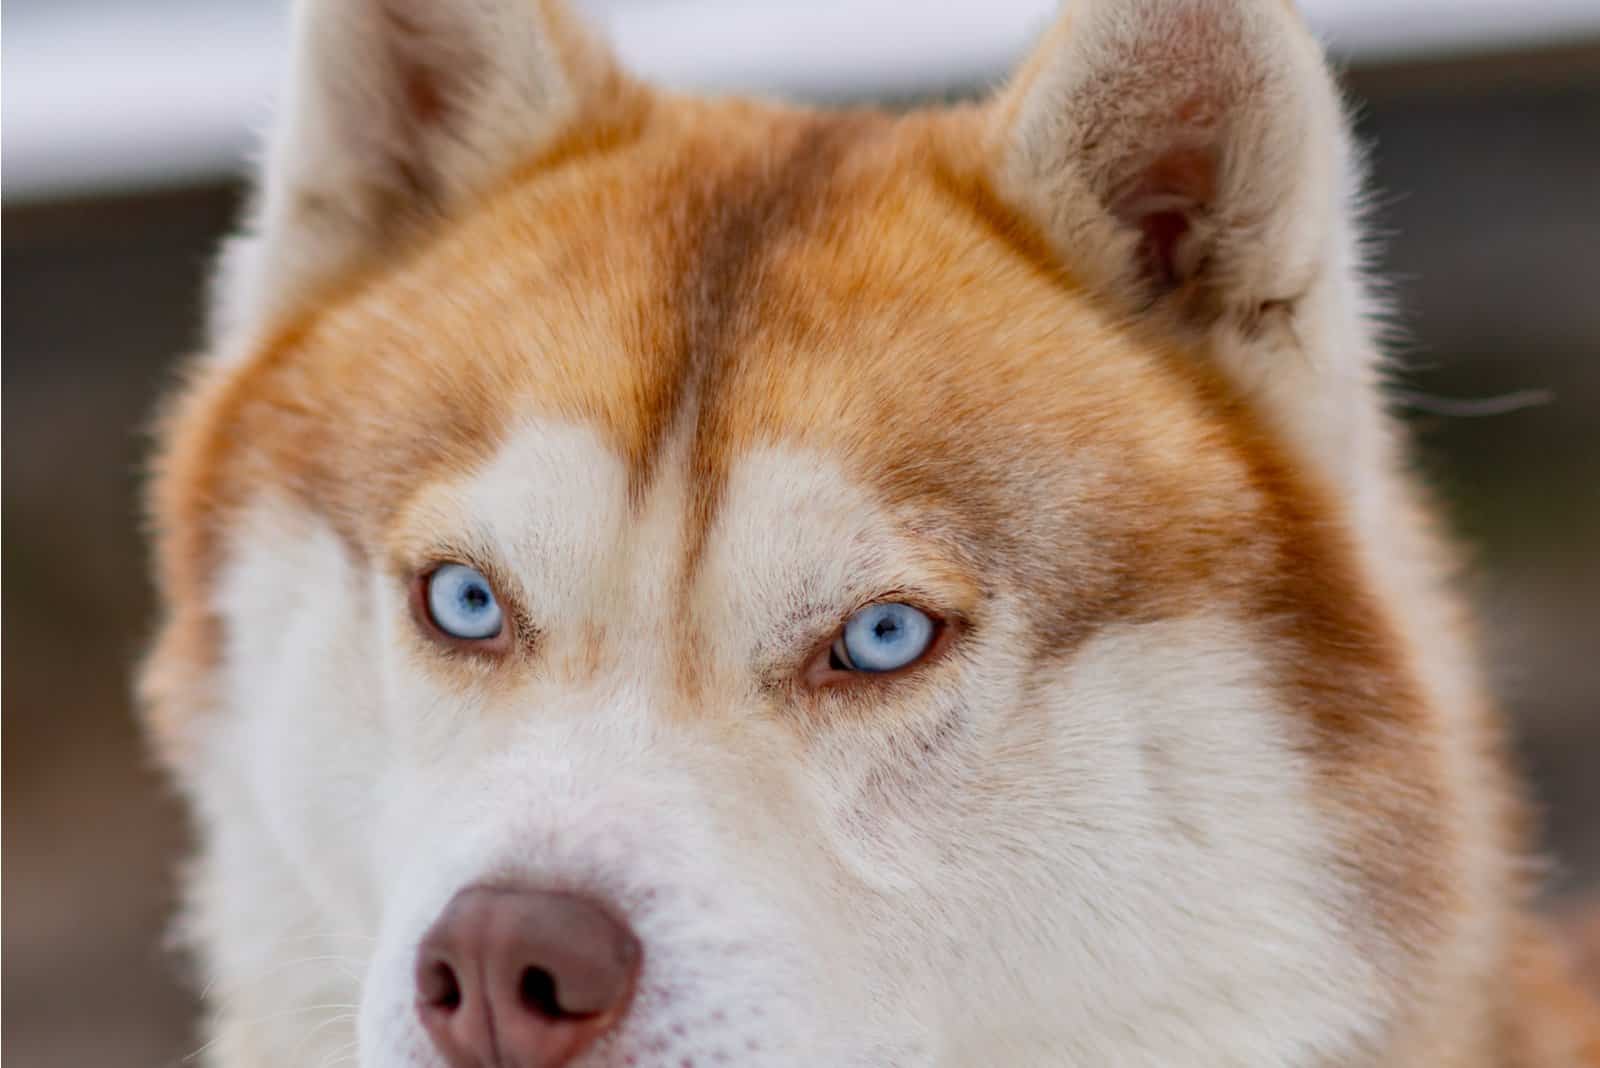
(551, 508)
(797, 541)
(794, 542)
(551, 511)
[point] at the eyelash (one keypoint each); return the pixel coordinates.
(818, 670)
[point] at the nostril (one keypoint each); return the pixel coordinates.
(522, 976)
(538, 993)
(438, 987)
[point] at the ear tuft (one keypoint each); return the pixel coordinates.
(397, 111)
(1178, 145)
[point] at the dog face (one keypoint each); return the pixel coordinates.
(861, 590)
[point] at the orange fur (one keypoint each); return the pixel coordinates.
(746, 274)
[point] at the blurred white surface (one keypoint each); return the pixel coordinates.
(111, 94)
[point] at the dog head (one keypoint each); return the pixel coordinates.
(665, 581)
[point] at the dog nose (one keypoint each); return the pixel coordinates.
(519, 978)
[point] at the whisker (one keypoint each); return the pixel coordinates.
(1474, 407)
(233, 986)
(309, 1037)
(298, 1010)
(343, 1055)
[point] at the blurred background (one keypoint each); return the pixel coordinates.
(126, 126)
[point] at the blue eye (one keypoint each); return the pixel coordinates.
(883, 637)
(461, 603)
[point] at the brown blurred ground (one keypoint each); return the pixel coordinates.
(1489, 200)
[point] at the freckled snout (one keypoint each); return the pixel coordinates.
(522, 978)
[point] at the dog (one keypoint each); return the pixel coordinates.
(661, 581)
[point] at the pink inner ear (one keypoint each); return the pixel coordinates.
(427, 87)
(1162, 204)
(1163, 231)
(425, 102)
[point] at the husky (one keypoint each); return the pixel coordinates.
(661, 581)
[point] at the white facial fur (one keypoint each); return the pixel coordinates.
(1112, 859)
(1107, 860)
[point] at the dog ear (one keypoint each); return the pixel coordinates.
(1188, 161)
(1178, 147)
(395, 111)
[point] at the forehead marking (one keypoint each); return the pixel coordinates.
(738, 220)
(716, 293)
(730, 224)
